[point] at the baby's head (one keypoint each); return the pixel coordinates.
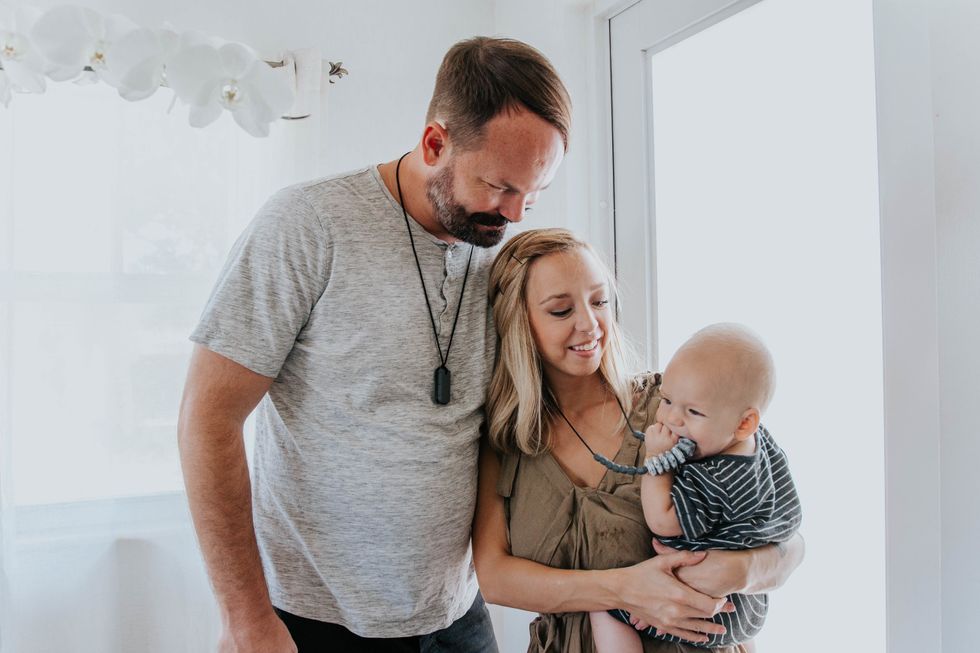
(716, 387)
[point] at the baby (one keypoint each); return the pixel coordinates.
(735, 492)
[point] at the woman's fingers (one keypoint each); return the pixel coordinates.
(693, 630)
(689, 635)
(703, 626)
(657, 597)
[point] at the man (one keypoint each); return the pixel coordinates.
(353, 312)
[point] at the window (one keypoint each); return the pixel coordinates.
(746, 163)
(115, 218)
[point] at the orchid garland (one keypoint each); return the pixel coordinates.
(79, 44)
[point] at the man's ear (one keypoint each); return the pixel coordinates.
(435, 143)
(748, 425)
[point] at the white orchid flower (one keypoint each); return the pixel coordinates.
(21, 63)
(230, 77)
(135, 64)
(72, 38)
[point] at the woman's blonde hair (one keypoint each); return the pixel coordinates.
(520, 406)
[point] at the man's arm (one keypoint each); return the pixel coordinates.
(753, 571)
(218, 396)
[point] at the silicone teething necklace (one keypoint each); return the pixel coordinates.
(665, 462)
(442, 382)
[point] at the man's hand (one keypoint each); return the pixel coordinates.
(655, 596)
(723, 572)
(659, 438)
(266, 635)
(750, 571)
(638, 623)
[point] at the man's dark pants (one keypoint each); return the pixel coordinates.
(471, 633)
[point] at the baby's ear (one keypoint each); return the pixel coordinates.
(748, 425)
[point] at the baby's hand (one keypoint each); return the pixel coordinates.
(659, 438)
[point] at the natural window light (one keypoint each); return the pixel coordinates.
(115, 218)
(767, 214)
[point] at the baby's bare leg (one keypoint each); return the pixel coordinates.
(613, 636)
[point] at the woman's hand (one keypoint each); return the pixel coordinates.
(656, 597)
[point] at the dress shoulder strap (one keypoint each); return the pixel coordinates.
(509, 463)
(646, 399)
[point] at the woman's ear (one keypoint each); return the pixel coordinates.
(435, 140)
(748, 425)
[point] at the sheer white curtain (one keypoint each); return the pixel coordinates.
(115, 218)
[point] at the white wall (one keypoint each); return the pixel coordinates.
(89, 586)
(562, 30)
(955, 25)
(928, 103)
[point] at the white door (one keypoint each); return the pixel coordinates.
(745, 189)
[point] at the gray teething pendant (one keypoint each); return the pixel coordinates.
(665, 462)
(671, 459)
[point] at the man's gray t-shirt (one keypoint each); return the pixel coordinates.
(363, 488)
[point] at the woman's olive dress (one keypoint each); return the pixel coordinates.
(557, 523)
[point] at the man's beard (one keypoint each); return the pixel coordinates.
(454, 217)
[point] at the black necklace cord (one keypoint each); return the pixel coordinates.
(598, 457)
(664, 463)
(443, 359)
(636, 434)
(401, 201)
(452, 334)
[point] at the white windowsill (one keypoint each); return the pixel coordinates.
(115, 516)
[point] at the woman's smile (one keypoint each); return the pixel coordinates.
(586, 350)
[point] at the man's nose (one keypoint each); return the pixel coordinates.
(513, 208)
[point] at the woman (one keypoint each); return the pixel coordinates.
(555, 531)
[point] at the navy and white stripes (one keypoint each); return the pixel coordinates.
(734, 502)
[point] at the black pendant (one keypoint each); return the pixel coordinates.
(441, 390)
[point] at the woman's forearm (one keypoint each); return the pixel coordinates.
(527, 585)
(649, 590)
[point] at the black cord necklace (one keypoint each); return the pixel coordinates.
(616, 467)
(663, 463)
(441, 390)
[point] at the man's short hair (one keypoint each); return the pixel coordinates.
(482, 76)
